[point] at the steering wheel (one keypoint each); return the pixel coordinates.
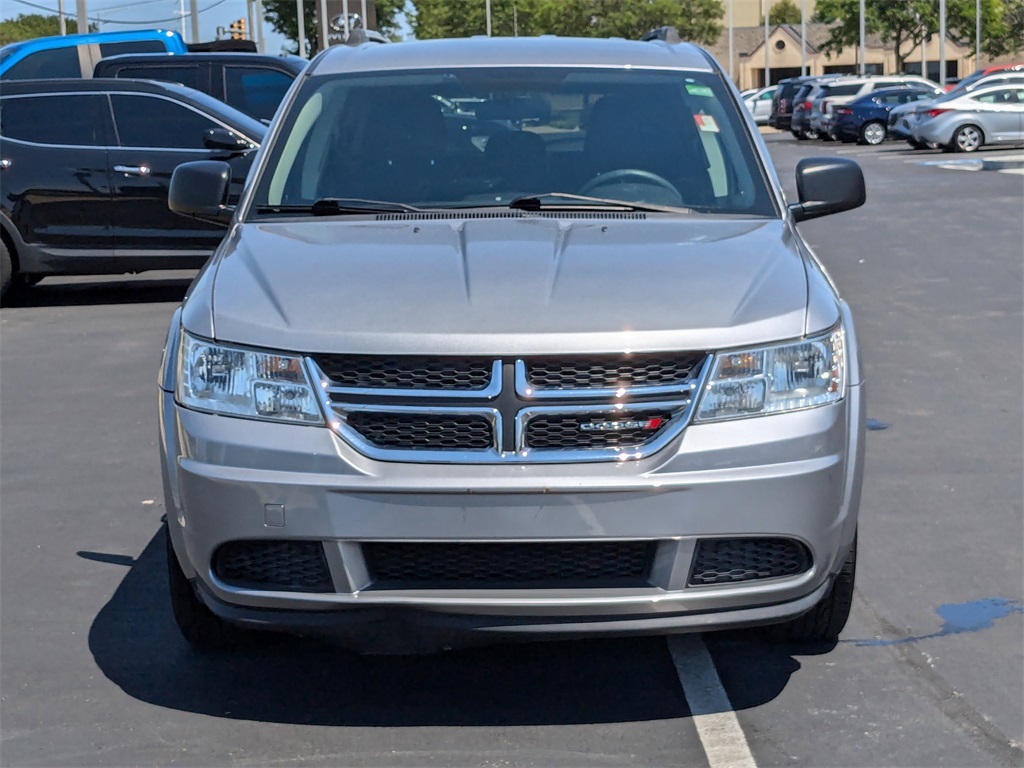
(629, 173)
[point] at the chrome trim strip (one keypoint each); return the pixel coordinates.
(490, 391)
(524, 390)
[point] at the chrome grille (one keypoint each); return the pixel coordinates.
(616, 372)
(419, 431)
(726, 561)
(506, 565)
(595, 430)
(290, 566)
(492, 410)
(412, 373)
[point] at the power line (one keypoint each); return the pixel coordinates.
(101, 20)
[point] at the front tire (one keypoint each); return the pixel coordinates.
(6, 270)
(203, 629)
(872, 133)
(968, 138)
(824, 622)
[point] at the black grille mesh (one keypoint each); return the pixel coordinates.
(611, 372)
(483, 565)
(369, 372)
(423, 431)
(566, 430)
(294, 566)
(725, 561)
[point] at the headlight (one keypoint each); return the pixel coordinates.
(786, 377)
(245, 382)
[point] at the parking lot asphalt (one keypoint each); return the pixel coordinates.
(928, 671)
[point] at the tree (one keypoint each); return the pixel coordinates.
(696, 20)
(783, 12)
(899, 23)
(283, 17)
(33, 25)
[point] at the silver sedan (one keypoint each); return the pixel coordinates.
(993, 115)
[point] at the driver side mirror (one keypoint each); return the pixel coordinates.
(827, 185)
(200, 189)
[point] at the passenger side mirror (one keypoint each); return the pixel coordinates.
(222, 138)
(200, 189)
(827, 185)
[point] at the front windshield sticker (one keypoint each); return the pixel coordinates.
(706, 123)
(695, 89)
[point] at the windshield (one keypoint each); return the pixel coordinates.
(487, 136)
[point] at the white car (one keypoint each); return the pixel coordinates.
(759, 102)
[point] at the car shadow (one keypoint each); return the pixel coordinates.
(309, 681)
(62, 292)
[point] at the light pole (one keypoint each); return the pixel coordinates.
(803, 37)
(193, 12)
(863, 63)
(83, 17)
(767, 64)
(61, 24)
(301, 16)
(488, 18)
(324, 25)
(942, 43)
(730, 40)
(977, 34)
(261, 41)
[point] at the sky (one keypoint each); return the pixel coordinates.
(116, 15)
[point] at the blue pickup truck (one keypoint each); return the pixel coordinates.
(77, 55)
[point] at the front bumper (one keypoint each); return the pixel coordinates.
(794, 475)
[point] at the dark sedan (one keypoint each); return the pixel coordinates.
(865, 120)
(84, 171)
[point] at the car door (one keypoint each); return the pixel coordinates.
(156, 134)
(998, 114)
(763, 105)
(54, 176)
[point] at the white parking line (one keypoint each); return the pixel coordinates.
(720, 733)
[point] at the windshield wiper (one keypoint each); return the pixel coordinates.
(339, 206)
(569, 201)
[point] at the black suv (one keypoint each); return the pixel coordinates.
(249, 82)
(84, 171)
(782, 101)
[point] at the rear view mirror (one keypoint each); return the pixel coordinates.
(222, 138)
(200, 189)
(827, 185)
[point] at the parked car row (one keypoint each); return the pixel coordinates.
(985, 108)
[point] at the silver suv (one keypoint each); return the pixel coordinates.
(511, 338)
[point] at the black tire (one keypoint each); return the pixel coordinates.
(869, 133)
(915, 144)
(800, 135)
(6, 269)
(968, 138)
(824, 622)
(198, 624)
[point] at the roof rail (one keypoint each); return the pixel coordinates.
(668, 34)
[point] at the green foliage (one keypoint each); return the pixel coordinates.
(33, 25)
(282, 15)
(783, 12)
(914, 20)
(696, 20)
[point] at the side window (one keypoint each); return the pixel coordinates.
(132, 46)
(891, 98)
(255, 90)
(767, 95)
(1001, 96)
(55, 62)
(152, 121)
(185, 75)
(73, 119)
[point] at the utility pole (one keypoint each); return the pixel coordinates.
(181, 13)
(730, 41)
(803, 37)
(252, 25)
(363, 17)
(324, 32)
(344, 14)
(62, 25)
(767, 65)
(942, 43)
(863, 62)
(193, 11)
(301, 17)
(488, 18)
(261, 41)
(83, 17)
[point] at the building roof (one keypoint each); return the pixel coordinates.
(748, 41)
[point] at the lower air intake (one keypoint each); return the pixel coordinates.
(394, 565)
(726, 561)
(287, 566)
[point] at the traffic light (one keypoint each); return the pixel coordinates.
(238, 29)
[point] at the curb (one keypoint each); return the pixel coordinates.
(1002, 164)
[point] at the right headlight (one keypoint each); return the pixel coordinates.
(784, 377)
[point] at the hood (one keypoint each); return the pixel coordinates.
(529, 285)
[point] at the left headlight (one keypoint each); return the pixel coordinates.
(785, 377)
(245, 382)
